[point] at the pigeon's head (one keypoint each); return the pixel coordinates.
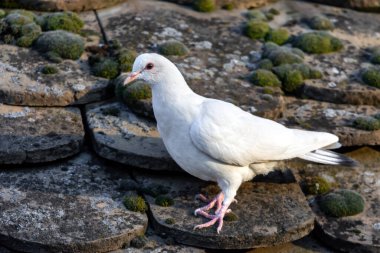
(152, 68)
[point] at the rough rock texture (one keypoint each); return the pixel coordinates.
(362, 5)
(235, 3)
(120, 135)
(333, 118)
(59, 5)
(73, 206)
(33, 135)
(269, 212)
(359, 233)
(217, 65)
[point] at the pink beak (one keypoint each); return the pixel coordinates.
(132, 76)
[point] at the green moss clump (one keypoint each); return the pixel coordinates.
(367, 123)
(230, 217)
(375, 55)
(61, 44)
(126, 58)
(204, 5)
(28, 34)
(306, 71)
(274, 11)
(107, 68)
(371, 76)
(256, 15)
(2, 13)
(263, 77)
(16, 19)
(137, 91)
(342, 203)
(25, 13)
(135, 204)
(49, 70)
(320, 23)
(170, 221)
(279, 36)
(173, 48)
(284, 55)
(265, 64)
(292, 81)
(68, 21)
(318, 43)
(164, 201)
(155, 190)
(317, 186)
(256, 29)
(229, 6)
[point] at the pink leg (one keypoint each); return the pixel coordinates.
(202, 210)
(215, 218)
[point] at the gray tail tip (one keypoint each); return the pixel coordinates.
(348, 162)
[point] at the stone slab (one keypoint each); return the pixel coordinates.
(235, 3)
(269, 213)
(359, 233)
(334, 118)
(120, 135)
(71, 206)
(34, 135)
(219, 60)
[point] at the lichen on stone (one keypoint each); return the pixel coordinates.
(318, 43)
(135, 204)
(317, 186)
(67, 21)
(371, 76)
(263, 77)
(164, 201)
(279, 36)
(60, 43)
(256, 29)
(204, 5)
(49, 70)
(173, 47)
(320, 22)
(342, 202)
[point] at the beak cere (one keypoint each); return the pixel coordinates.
(133, 76)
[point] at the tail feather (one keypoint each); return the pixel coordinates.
(329, 157)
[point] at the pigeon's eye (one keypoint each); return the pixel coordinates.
(149, 66)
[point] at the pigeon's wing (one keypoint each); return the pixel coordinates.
(233, 136)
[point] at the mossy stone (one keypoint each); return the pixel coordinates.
(126, 58)
(256, 15)
(318, 43)
(292, 81)
(367, 123)
(49, 70)
(263, 77)
(279, 36)
(320, 23)
(256, 29)
(67, 21)
(107, 68)
(371, 76)
(173, 48)
(204, 5)
(340, 203)
(135, 204)
(164, 201)
(62, 43)
(2, 13)
(265, 64)
(317, 186)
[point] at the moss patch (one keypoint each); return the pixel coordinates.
(228, 6)
(170, 221)
(306, 71)
(256, 15)
(49, 70)
(230, 217)
(135, 204)
(155, 190)
(126, 58)
(375, 55)
(173, 48)
(68, 21)
(107, 68)
(60, 44)
(265, 64)
(263, 77)
(279, 36)
(318, 43)
(256, 29)
(2, 13)
(292, 81)
(317, 186)
(342, 203)
(204, 5)
(283, 55)
(136, 91)
(320, 23)
(367, 123)
(164, 201)
(371, 76)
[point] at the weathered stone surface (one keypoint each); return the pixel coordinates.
(334, 118)
(219, 58)
(120, 135)
(269, 212)
(235, 3)
(56, 5)
(362, 5)
(33, 135)
(359, 233)
(72, 206)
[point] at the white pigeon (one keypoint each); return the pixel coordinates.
(217, 141)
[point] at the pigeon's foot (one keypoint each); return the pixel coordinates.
(218, 217)
(215, 201)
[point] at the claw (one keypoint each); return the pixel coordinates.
(215, 218)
